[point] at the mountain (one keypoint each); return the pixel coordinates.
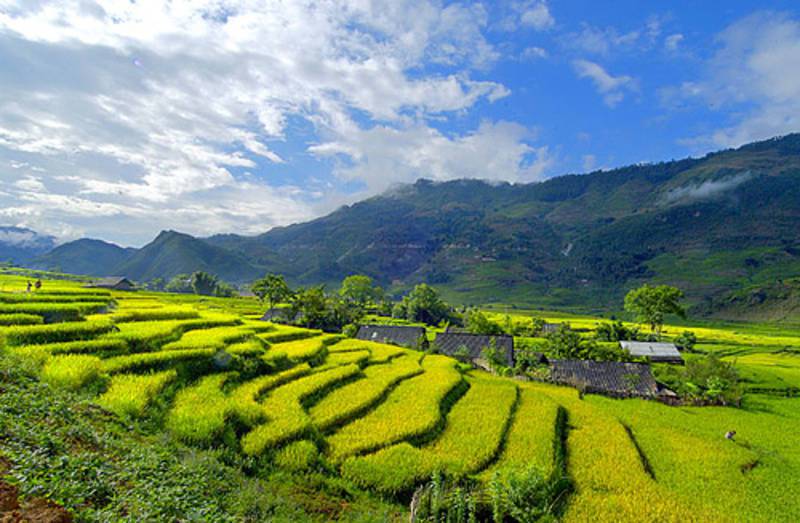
(173, 253)
(19, 245)
(90, 257)
(712, 226)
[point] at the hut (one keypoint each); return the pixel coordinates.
(402, 335)
(610, 378)
(116, 283)
(472, 345)
(655, 352)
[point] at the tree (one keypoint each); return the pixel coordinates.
(652, 304)
(272, 288)
(478, 323)
(181, 283)
(424, 304)
(204, 283)
(360, 290)
(309, 304)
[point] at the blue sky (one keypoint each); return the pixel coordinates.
(120, 119)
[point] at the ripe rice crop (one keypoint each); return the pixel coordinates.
(246, 348)
(129, 394)
(474, 431)
(199, 412)
(297, 456)
(530, 437)
(286, 417)
(343, 358)
(20, 319)
(299, 350)
(147, 335)
(611, 481)
(380, 352)
(284, 333)
(347, 402)
(145, 360)
(54, 312)
(166, 313)
(217, 338)
(71, 371)
(411, 410)
(244, 398)
(750, 477)
(40, 353)
(54, 333)
(26, 298)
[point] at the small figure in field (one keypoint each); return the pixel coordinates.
(38, 284)
(730, 435)
(29, 286)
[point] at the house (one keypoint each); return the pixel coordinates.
(277, 315)
(116, 283)
(655, 352)
(402, 335)
(610, 378)
(458, 343)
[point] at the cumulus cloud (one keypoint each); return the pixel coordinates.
(528, 14)
(142, 115)
(384, 156)
(673, 41)
(755, 75)
(613, 88)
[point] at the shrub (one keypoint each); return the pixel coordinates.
(705, 379)
(71, 371)
(616, 331)
(686, 340)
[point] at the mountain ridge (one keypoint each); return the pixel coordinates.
(709, 225)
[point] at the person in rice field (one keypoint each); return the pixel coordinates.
(730, 435)
(38, 284)
(29, 286)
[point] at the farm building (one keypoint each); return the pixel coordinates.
(277, 315)
(455, 343)
(402, 335)
(610, 378)
(116, 283)
(656, 352)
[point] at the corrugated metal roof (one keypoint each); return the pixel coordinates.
(654, 351)
(605, 377)
(403, 335)
(451, 342)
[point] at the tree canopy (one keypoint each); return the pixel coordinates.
(652, 304)
(272, 288)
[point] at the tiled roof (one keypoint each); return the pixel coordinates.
(605, 377)
(402, 335)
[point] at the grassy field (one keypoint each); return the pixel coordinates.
(332, 428)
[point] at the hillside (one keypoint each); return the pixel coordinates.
(158, 407)
(20, 245)
(711, 226)
(93, 257)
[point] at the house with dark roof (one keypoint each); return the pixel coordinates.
(277, 315)
(402, 335)
(610, 378)
(655, 352)
(117, 283)
(460, 344)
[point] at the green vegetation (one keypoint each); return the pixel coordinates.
(301, 425)
(652, 304)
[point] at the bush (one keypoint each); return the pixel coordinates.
(686, 340)
(704, 380)
(350, 330)
(478, 323)
(567, 344)
(616, 331)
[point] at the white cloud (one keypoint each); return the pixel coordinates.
(589, 162)
(534, 53)
(144, 114)
(755, 75)
(536, 14)
(613, 88)
(673, 41)
(603, 41)
(384, 156)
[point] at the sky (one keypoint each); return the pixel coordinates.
(119, 119)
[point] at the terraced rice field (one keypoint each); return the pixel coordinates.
(386, 418)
